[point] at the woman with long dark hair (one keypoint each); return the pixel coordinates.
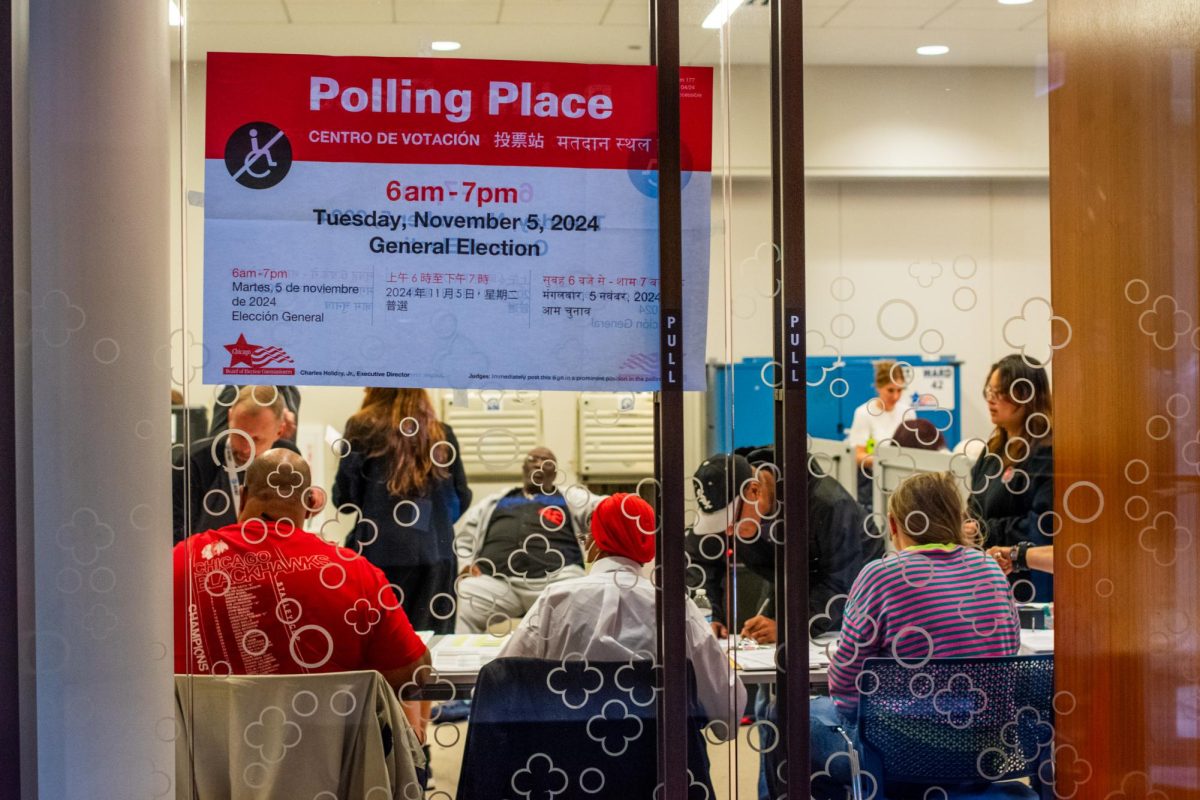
(1012, 483)
(404, 474)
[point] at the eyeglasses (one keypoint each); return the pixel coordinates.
(992, 395)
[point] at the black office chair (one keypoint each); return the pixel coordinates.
(572, 730)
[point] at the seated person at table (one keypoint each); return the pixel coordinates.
(515, 543)
(736, 498)
(207, 481)
(265, 597)
(940, 597)
(609, 614)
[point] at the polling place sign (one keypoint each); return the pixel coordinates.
(445, 223)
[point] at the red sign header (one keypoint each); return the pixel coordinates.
(454, 111)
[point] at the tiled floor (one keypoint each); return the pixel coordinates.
(447, 748)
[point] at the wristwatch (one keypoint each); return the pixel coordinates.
(1018, 554)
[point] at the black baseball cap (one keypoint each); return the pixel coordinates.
(717, 483)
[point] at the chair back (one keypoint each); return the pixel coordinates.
(956, 721)
(570, 729)
(282, 737)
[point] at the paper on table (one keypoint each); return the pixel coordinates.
(466, 651)
(1037, 641)
(763, 658)
(758, 659)
(425, 636)
(817, 655)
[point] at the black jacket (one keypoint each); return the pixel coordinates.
(1009, 511)
(835, 555)
(429, 539)
(201, 497)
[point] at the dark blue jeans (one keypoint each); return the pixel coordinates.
(830, 762)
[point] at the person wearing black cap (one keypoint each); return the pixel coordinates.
(737, 497)
(737, 501)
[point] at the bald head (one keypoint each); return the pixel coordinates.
(540, 470)
(276, 483)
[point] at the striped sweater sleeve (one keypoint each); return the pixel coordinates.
(859, 637)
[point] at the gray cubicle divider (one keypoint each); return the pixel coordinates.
(836, 458)
(894, 464)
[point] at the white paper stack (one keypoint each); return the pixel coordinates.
(466, 652)
(1036, 642)
(760, 658)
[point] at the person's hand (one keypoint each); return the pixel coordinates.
(475, 570)
(1001, 554)
(759, 628)
(719, 630)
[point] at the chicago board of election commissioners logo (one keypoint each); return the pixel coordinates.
(256, 359)
(258, 155)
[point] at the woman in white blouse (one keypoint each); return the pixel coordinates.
(875, 421)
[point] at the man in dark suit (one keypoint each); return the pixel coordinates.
(208, 479)
(738, 502)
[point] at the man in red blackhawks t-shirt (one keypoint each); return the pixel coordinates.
(264, 597)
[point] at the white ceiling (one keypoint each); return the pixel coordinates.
(881, 32)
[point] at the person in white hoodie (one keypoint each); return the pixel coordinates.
(608, 615)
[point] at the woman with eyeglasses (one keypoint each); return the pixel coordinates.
(1012, 483)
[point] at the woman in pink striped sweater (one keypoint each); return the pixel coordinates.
(941, 596)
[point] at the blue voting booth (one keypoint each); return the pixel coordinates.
(741, 397)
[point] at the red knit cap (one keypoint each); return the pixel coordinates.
(623, 525)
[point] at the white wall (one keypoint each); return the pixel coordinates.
(884, 147)
(906, 166)
(899, 121)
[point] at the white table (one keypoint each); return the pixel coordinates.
(457, 659)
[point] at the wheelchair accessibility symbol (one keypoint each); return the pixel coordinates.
(258, 155)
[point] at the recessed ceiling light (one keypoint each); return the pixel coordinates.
(446, 46)
(1015, 2)
(721, 13)
(932, 50)
(173, 16)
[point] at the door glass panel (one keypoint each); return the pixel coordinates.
(478, 506)
(931, 346)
